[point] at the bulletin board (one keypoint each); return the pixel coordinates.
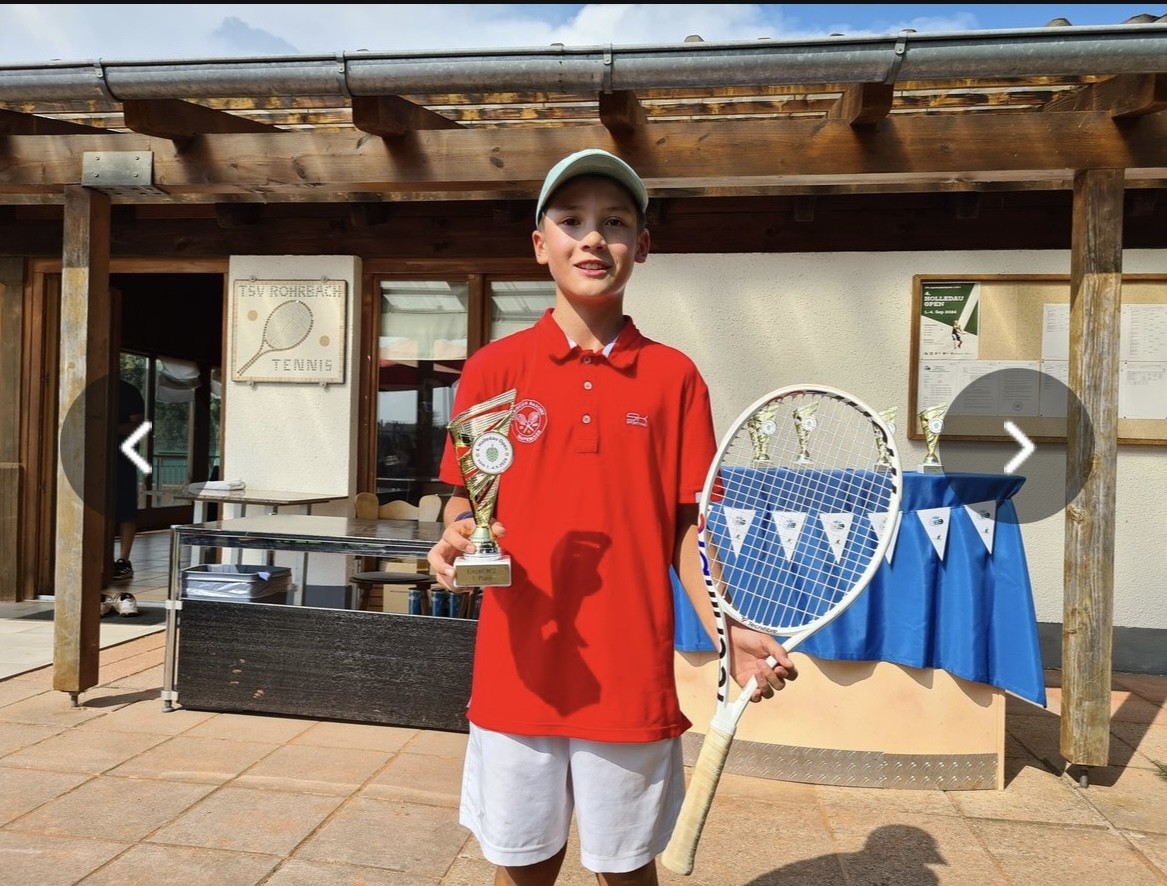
(966, 328)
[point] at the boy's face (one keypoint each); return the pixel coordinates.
(590, 238)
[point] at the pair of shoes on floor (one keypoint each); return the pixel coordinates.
(123, 570)
(124, 604)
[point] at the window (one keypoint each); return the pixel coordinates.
(425, 333)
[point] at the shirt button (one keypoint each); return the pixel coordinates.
(587, 385)
(587, 359)
(587, 419)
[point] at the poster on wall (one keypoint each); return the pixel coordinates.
(288, 331)
(949, 320)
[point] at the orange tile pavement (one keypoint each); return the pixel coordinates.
(117, 791)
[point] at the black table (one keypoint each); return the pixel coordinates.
(322, 663)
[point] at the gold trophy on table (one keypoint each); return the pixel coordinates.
(931, 424)
(883, 463)
(484, 451)
(762, 427)
(804, 423)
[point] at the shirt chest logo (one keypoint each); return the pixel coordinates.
(530, 420)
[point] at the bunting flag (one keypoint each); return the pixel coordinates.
(935, 522)
(984, 518)
(789, 524)
(738, 521)
(885, 522)
(837, 528)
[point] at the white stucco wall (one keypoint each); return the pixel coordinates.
(756, 322)
(752, 323)
(296, 437)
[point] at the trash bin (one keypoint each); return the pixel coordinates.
(233, 583)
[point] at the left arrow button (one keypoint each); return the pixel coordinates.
(131, 453)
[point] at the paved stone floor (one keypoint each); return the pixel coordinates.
(117, 791)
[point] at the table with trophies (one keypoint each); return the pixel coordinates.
(905, 688)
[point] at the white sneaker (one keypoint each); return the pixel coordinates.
(107, 605)
(125, 604)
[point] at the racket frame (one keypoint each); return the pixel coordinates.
(680, 854)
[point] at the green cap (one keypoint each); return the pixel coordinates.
(592, 161)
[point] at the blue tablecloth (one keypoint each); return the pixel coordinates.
(969, 612)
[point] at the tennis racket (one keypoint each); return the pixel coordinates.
(796, 515)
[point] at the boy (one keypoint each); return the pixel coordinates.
(573, 706)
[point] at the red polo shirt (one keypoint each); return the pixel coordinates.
(581, 643)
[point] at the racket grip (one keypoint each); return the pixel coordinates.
(679, 855)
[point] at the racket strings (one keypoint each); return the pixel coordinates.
(791, 529)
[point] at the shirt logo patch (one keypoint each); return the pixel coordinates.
(633, 418)
(530, 421)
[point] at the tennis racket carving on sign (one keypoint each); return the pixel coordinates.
(798, 509)
(285, 328)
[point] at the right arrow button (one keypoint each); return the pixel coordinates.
(1027, 447)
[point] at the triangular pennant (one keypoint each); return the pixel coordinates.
(837, 527)
(738, 521)
(886, 523)
(984, 519)
(789, 525)
(935, 522)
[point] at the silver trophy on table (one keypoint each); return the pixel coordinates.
(931, 424)
(484, 451)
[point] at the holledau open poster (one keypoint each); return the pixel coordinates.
(949, 320)
(288, 330)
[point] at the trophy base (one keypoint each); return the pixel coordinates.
(931, 469)
(478, 572)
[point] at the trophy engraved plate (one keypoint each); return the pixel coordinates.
(484, 451)
(804, 424)
(883, 463)
(931, 424)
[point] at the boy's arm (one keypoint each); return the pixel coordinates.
(749, 649)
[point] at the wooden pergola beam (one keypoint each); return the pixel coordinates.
(16, 123)
(672, 157)
(391, 116)
(621, 113)
(181, 121)
(863, 104)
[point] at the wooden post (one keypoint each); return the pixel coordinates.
(84, 464)
(11, 378)
(1088, 616)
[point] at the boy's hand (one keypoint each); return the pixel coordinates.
(749, 650)
(455, 542)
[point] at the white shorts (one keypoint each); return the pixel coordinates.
(519, 792)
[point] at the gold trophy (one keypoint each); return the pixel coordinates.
(483, 449)
(931, 424)
(883, 463)
(762, 427)
(804, 423)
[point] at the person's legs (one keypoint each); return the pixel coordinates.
(126, 532)
(127, 517)
(543, 873)
(517, 801)
(627, 798)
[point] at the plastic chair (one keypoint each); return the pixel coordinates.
(367, 584)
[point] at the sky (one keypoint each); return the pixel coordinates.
(69, 32)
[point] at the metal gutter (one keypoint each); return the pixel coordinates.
(1051, 51)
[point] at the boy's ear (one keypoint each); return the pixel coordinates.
(643, 241)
